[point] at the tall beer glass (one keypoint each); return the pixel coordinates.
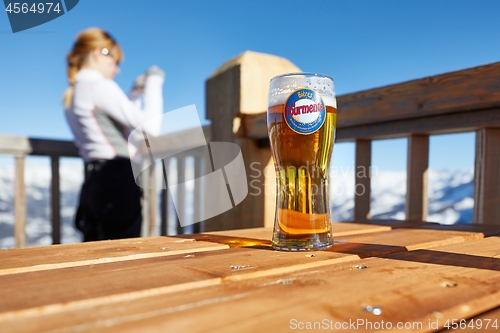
(301, 121)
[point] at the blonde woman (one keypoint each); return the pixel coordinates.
(101, 116)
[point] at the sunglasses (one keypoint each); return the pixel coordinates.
(106, 52)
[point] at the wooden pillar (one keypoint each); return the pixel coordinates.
(152, 201)
(417, 178)
(362, 188)
(146, 196)
(487, 177)
(19, 203)
(55, 201)
(240, 86)
(165, 193)
(181, 178)
(197, 227)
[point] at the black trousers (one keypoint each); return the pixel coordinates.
(110, 202)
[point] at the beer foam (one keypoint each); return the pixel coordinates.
(281, 87)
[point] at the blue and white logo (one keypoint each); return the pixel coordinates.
(305, 111)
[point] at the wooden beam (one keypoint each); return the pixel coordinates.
(46, 147)
(255, 126)
(442, 124)
(55, 197)
(362, 186)
(416, 181)
(14, 145)
(465, 90)
(487, 177)
(19, 204)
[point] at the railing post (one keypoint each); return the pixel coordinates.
(238, 88)
(19, 204)
(197, 227)
(181, 172)
(152, 201)
(362, 188)
(146, 197)
(164, 198)
(487, 177)
(55, 197)
(417, 178)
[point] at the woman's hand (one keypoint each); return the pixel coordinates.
(138, 86)
(155, 70)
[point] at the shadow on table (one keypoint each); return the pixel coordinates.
(448, 259)
(367, 250)
(487, 229)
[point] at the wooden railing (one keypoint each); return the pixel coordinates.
(20, 147)
(462, 101)
(236, 100)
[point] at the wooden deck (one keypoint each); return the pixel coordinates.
(419, 275)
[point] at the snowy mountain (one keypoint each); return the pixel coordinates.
(450, 199)
(37, 188)
(450, 195)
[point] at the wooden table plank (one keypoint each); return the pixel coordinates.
(401, 240)
(116, 281)
(262, 236)
(352, 241)
(83, 287)
(42, 258)
(256, 237)
(486, 229)
(418, 286)
(165, 272)
(407, 291)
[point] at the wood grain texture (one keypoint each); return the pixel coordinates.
(470, 89)
(254, 126)
(453, 102)
(137, 276)
(86, 286)
(262, 236)
(487, 177)
(466, 121)
(486, 230)
(401, 240)
(417, 178)
(363, 242)
(418, 286)
(224, 99)
(33, 259)
(362, 188)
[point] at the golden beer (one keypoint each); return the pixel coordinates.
(301, 130)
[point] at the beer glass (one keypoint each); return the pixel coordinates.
(301, 121)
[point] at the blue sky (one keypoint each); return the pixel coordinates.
(361, 44)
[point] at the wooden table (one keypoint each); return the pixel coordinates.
(375, 277)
